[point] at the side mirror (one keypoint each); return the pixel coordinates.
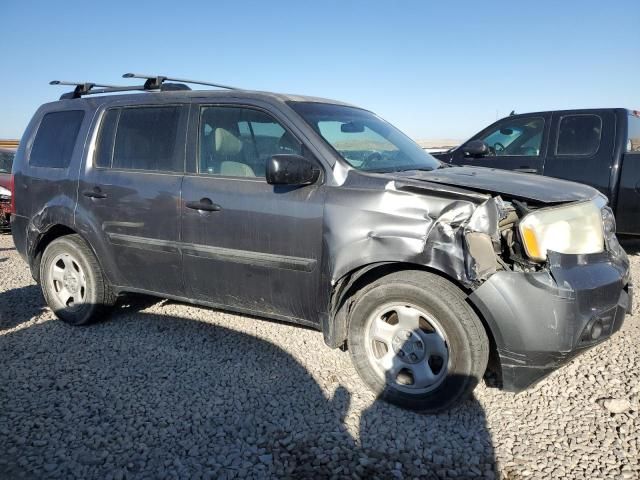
(291, 170)
(476, 148)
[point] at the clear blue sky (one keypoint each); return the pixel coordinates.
(435, 69)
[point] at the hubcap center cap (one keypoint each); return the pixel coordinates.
(408, 346)
(71, 282)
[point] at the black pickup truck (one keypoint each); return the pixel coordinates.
(598, 147)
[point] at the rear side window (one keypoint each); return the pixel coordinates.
(141, 138)
(55, 139)
(579, 135)
(104, 147)
(633, 140)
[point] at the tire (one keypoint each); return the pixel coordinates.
(415, 341)
(73, 283)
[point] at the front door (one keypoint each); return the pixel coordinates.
(130, 191)
(249, 245)
(515, 143)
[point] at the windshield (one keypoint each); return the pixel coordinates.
(6, 161)
(364, 140)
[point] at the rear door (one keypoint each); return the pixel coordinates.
(130, 193)
(628, 204)
(249, 245)
(515, 143)
(581, 147)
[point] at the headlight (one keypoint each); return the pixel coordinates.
(4, 194)
(572, 229)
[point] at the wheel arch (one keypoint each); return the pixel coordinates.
(335, 327)
(43, 239)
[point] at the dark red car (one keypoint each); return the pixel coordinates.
(6, 162)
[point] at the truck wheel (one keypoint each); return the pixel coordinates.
(416, 342)
(72, 281)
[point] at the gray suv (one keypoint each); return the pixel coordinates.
(320, 213)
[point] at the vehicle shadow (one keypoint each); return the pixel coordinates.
(27, 301)
(146, 395)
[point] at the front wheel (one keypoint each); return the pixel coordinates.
(72, 281)
(416, 342)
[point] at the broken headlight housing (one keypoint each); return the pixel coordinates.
(573, 229)
(608, 221)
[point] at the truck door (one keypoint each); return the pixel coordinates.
(581, 147)
(627, 208)
(515, 143)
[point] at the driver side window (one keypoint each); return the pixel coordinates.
(515, 138)
(238, 141)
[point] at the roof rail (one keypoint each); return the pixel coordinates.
(156, 81)
(88, 88)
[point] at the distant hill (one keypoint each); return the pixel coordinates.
(439, 143)
(8, 143)
(431, 145)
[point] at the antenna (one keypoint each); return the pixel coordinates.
(156, 81)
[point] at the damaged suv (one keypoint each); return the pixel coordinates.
(320, 213)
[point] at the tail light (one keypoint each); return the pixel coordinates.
(12, 189)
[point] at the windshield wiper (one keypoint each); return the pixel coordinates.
(445, 165)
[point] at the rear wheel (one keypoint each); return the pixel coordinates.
(72, 281)
(416, 342)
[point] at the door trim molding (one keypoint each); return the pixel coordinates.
(246, 257)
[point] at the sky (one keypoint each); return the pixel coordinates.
(436, 70)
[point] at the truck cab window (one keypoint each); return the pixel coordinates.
(579, 134)
(517, 137)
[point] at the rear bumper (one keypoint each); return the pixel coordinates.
(542, 320)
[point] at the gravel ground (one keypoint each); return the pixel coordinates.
(166, 390)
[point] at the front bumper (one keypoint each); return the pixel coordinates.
(541, 320)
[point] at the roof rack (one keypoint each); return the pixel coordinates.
(88, 88)
(81, 88)
(152, 82)
(156, 81)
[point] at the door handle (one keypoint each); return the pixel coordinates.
(204, 205)
(526, 170)
(96, 192)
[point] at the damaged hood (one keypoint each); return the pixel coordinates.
(524, 186)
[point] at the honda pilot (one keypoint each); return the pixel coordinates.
(319, 213)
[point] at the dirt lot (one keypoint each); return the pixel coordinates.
(166, 390)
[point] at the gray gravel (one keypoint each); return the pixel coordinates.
(166, 390)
